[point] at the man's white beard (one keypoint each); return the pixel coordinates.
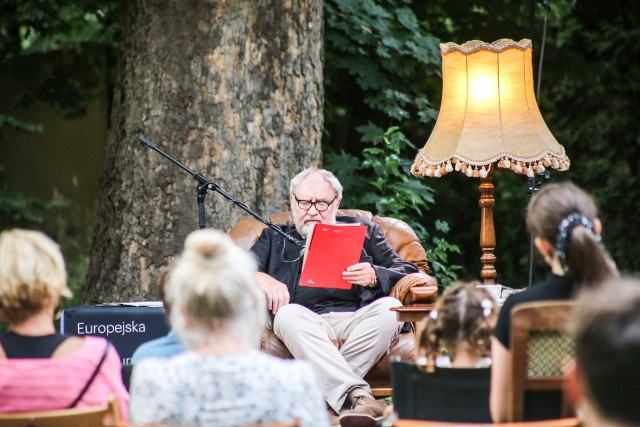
(304, 227)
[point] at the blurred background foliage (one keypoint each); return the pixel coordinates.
(589, 99)
(382, 95)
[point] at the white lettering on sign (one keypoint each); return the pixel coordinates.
(111, 328)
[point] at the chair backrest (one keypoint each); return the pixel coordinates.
(446, 394)
(560, 422)
(540, 348)
(99, 416)
(400, 236)
(293, 424)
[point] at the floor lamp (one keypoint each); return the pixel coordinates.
(488, 119)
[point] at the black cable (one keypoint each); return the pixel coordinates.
(544, 39)
(536, 181)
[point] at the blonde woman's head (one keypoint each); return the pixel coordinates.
(213, 291)
(32, 274)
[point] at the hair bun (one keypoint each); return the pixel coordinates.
(208, 244)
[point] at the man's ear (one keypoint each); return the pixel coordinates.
(338, 203)
(573, 384)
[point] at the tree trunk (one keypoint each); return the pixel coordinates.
(232, 89)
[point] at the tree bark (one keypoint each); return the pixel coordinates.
(233, 89)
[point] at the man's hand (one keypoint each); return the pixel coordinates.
(276, 291)
(362, 274)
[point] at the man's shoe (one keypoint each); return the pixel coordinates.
(365, 411)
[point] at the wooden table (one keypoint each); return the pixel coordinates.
(412, 313)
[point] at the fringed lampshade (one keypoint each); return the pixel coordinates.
(489, 117)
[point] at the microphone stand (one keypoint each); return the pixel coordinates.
(536, 182)
(204, 184)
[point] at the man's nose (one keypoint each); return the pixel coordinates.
(314, 209)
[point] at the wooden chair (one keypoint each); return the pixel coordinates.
(561, 422)
(539, 351)
(417, 291)
(99, 416)
(293, 424)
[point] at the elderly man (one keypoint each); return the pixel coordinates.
(311, 320)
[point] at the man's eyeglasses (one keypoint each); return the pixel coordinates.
(320, 205)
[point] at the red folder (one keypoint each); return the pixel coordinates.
(330, 250)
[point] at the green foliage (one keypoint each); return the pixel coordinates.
(589, 99)
(376, 57)
(20, 210)
(592, 93)
(60, 53)
(379, 61)
(59, 220)
(381, 182)
(17, 124)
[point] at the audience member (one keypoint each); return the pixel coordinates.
(457, 333)
(41, 369)
(451, 379)
(309, 320)
(604, 382)
(168, 345)
(218, 312)
(566, 230)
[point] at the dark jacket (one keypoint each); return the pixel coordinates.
(285, 265)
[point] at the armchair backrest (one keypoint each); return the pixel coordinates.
(400, 236)
(539, 349)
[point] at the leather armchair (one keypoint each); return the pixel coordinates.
(414, 289)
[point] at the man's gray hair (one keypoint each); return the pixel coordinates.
(328, 176)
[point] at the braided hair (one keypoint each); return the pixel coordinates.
(464, 315)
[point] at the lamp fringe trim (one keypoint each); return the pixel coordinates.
(473, 169)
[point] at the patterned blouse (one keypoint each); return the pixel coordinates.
(228, 390)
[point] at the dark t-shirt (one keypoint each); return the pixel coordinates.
(553, 288)
(18, 346)
(283, 261)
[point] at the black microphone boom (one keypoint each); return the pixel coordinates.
(204, 184)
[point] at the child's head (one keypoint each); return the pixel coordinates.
(565, 216)
(463, 318)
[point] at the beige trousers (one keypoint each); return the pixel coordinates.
(366, 335)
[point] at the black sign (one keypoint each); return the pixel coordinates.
(125, 325)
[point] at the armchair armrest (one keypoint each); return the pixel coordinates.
(416, 288)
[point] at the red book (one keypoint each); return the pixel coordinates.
(329, 251)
